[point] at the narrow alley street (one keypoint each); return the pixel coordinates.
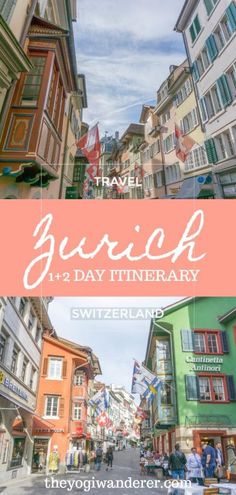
(126, 465)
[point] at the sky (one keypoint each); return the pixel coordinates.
(116, 343)
(125, 49)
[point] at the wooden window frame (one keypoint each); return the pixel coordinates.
(218, 339)
(210, 376)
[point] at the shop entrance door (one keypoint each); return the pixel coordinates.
(39, 461)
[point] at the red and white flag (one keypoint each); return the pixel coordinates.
(89, 144)
(183, 144)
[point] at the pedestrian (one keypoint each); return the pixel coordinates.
(219, 461)
(165, 464)
(208, 460)
(142, 464)
(177, 463)
(99, 454)
(194, 467)
(109, 458)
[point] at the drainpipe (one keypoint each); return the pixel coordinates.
(163, 162)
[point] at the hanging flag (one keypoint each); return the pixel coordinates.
(100, 401)
(89, 144)
(152, 389)
(183, 144)
(142, 377)
(139, 171)
(140, 415)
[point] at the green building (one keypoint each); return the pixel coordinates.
(193, 351)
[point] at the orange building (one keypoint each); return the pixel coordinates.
(62, 403)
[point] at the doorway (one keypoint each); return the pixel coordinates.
(40, 452)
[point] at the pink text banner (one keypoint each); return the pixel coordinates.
(118, 248)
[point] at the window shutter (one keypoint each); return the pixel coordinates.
(212, 47)
(225, 92)
(192, 387)
(45, 367)
(61, 407)
(211, 151)
(6, 8)
(64, 368)
(209, 6)
(224, 342)
(231, 13)
(231, 388)
(203, 110)
(187, 340)
(195, 71)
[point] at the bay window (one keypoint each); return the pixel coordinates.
(30, 91)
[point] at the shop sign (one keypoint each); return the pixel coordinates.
(48, 430)
(204, 363)
(6, 382)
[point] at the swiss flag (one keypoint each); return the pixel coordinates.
(183, 144)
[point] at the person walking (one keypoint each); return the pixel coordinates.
(208, 460)
(177, 463)
(194, 467)
(98, 458)
(109, 458)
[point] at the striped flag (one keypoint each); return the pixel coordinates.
(100, 401)
(144, 382)
(183, 144)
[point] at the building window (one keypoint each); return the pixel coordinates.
(77, 412)
(32, 378)
(196, 159)
(189, 122)
(213, 102)
(3, 346)
(173, 173)
(207, 343)
(24, 369)
(212, 389)
(159, 179)
(6, 9)
(210, 4)
(169, 143)
(166, 394)
(205, 390)
(38, 335)
(78, 378)
(18, 452)
(225, 146)
(195, 28)
(231, 78)
(22, 306)
(163, 350)
(199, 342)
(55, 368)
(52, 403)
(32, 83)
(31, 320)
(14, 359)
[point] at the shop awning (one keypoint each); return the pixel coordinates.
(31, 173)
(199, 187)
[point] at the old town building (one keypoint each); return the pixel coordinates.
(63, 396)
(209, 32)
(192, 350)
(37, 143)
(22, 324)
(177, 106)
